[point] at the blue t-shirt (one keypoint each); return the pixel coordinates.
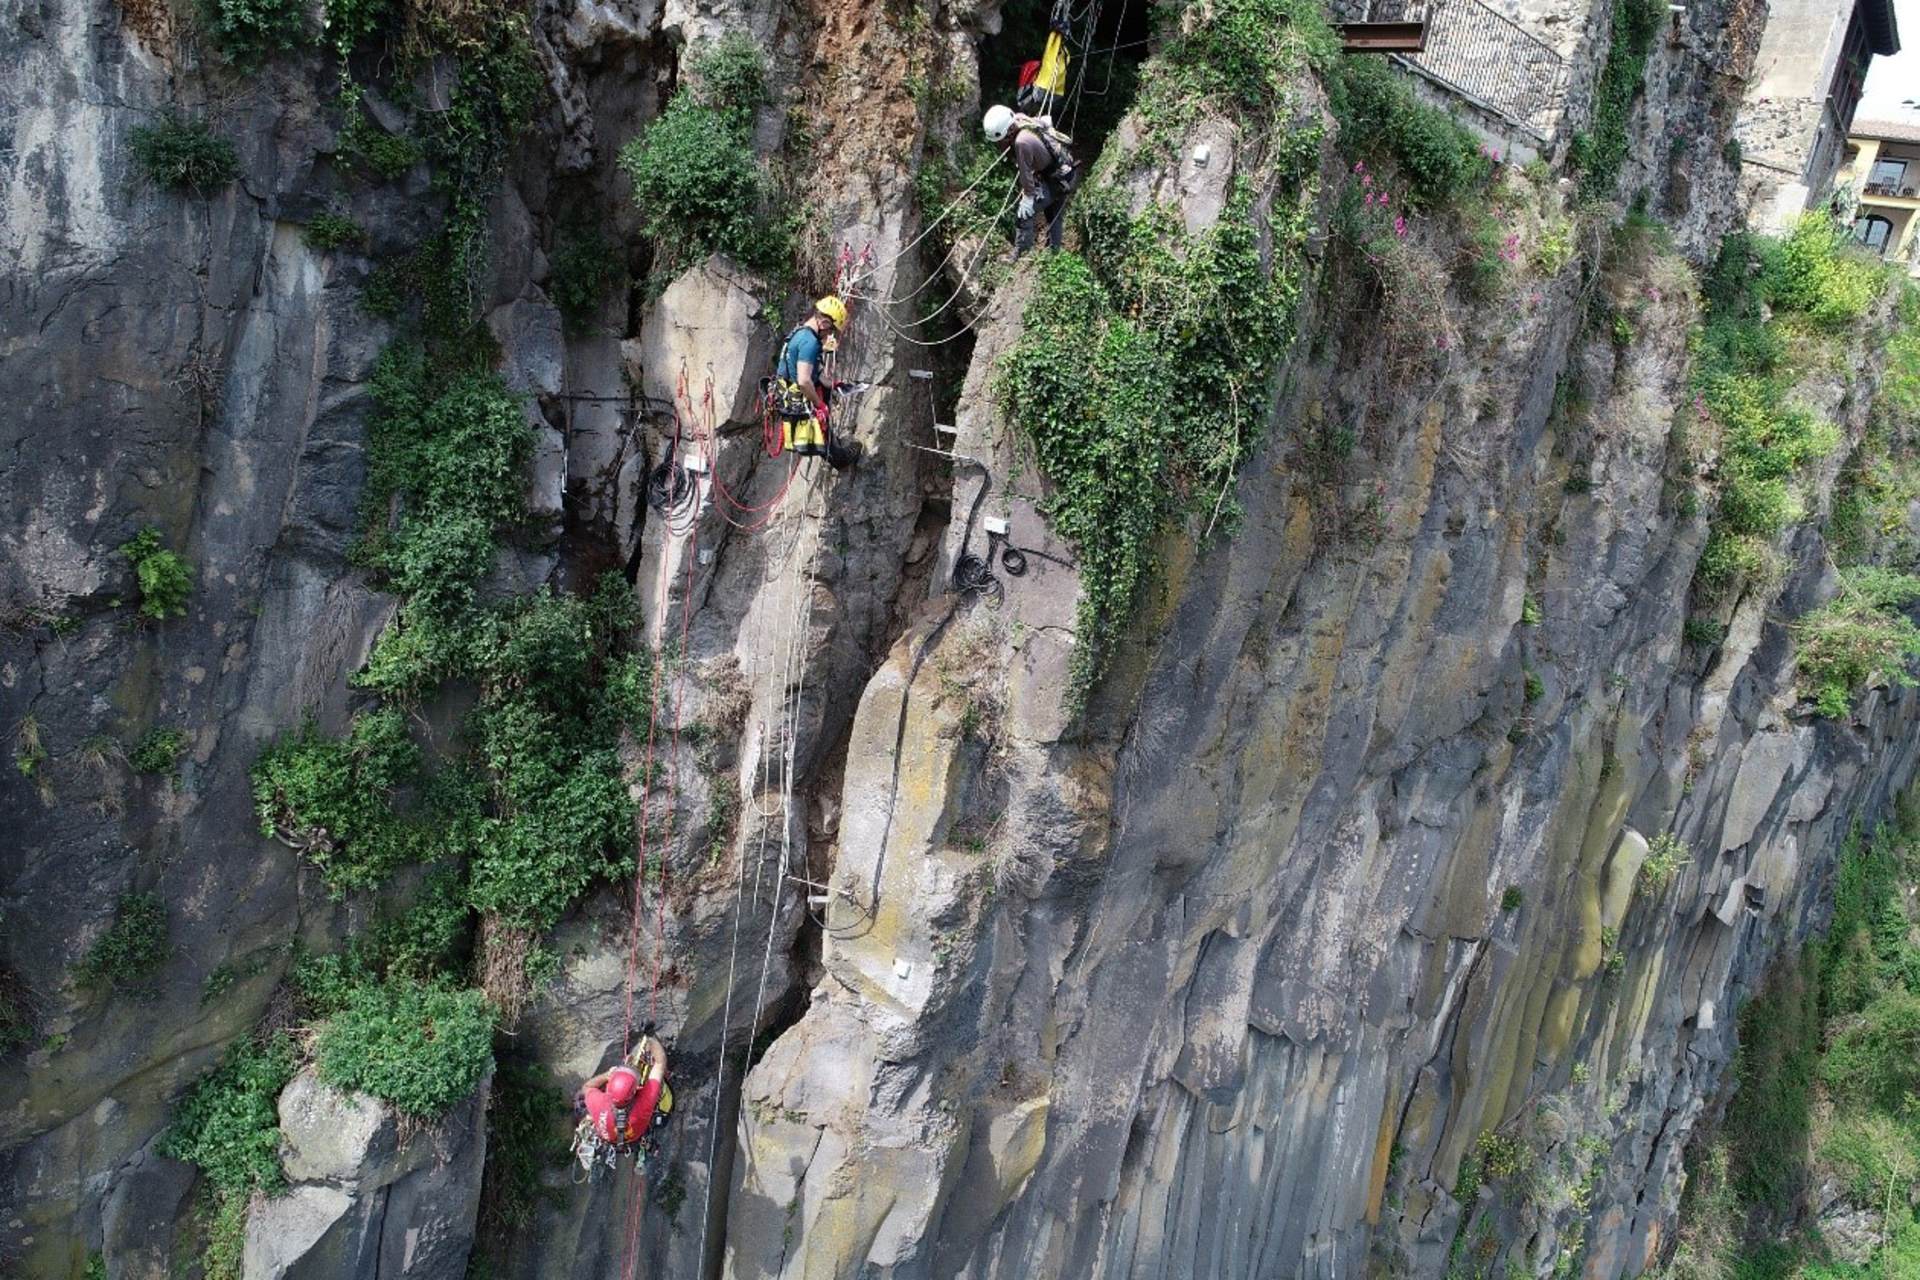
(802, 348)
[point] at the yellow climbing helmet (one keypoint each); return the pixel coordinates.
(833, 309)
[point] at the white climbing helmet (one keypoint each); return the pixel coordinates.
(999, 120)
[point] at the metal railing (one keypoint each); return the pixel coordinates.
(1484, 57)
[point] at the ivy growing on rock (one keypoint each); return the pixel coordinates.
(1141, 376)
(1599, 152)
(1144, 366)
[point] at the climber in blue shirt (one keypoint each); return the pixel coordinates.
(803, 393)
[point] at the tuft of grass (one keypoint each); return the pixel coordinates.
(329, 231)
(1511, 898)
(1666, 854)
(1704, 632)
(30, 753)
(184, 154)
(126, 956)
(158, 751)
(1858, 637)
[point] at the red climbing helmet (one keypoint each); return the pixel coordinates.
(621, 1086)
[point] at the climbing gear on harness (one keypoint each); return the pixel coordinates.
(596, 1156)
(998, 123)
(833, 309)
(1057, 142)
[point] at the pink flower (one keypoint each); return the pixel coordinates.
(1400, 226)
(1359, 166)
(1366, 180)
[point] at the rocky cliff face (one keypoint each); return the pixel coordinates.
(1229, 973)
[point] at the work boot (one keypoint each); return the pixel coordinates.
(843, 456)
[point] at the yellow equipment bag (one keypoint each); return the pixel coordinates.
(1052, 76)
(804, 436)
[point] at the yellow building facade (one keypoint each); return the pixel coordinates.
(1882, 173)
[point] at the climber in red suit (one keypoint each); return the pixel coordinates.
(620, 1102)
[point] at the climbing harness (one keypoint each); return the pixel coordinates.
(598, 1156)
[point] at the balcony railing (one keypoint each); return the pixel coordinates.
(1484, 57)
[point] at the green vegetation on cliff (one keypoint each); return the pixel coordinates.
(229, 1125)
(1825, 1124)
(1145, 363)
(1117, 389)
(1599, 152)
(1382, 121)
(695, 174)
(185, 154)
(164, 578)
(132, 948)
(421, 1046)
(1858, 637)
(1771, 305)
(536, 803)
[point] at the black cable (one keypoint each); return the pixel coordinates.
(668, 486)
(1013, 563)
(971, 574)
(1024, 552)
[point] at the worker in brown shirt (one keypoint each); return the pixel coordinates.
(1047, 174)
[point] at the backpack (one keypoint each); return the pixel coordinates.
(1057, 142)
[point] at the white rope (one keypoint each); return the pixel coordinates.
(804, 596)
(1013, 185)
(927, 230)
(986, 242)
(755, 670)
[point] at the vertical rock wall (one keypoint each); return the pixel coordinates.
(1214, 981)
(1338, 873)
